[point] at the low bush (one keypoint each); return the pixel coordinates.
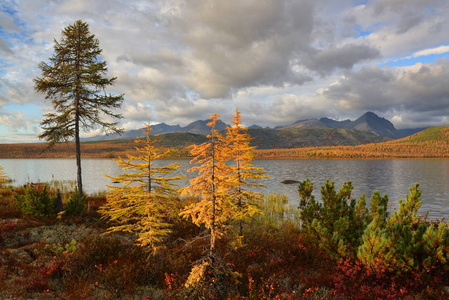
(37, 202)
(8, 207)
(337, 223)
(379, 255)
(75, 205)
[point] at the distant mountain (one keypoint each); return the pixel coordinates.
(372, 122)
(368, 122)
(254, 126)
(336, 124)
(197, 127)
(201, 127)
(313, 123)
(311, 137)
(132, 134)
(164, 128)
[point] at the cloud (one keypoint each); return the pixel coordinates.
(5, 48)
(138, 112)
(416, 90)
(398, 28)
(425, 52)
(327, 60)
(13, 120)
(411, 12)
(169, 49)
(235, 44)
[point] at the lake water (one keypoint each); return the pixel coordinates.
(390, 176)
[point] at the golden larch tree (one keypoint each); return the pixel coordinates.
(244, 173)
(3, 178)
(146, 198)
(212, 185)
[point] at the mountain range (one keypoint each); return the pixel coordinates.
(368, 128)
(368, 122)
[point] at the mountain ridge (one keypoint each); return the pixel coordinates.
(369, 122)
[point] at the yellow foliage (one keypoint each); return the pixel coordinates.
(211, 185)
(197, 274)
(3, 178)
(146, 198)
(225, 176)
(243, 172)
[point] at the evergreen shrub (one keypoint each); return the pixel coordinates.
(75, 205)
(36, 202)
(399, 244)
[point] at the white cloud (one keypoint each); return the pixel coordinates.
(14, 121)
(437, 50)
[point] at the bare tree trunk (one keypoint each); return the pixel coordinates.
(149, 173)
(79, 179)
(78, 159)
(239, 203)
(77, 122)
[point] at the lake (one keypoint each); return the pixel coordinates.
(389, 176)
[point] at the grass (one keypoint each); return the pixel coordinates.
(439, 133)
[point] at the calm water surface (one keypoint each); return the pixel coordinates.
(391, 176)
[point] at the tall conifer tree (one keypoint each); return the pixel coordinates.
(74, 82)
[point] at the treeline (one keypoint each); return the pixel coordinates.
(430, 143)
(108, 149)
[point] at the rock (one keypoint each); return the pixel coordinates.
(23, 254)
(59, 206)
(289, 181)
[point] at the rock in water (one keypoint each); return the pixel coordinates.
(289, 181)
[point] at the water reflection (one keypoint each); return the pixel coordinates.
(391, 176)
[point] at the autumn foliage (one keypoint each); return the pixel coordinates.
(430, 143)
(244, 174)
(145, 198)
(3, 178)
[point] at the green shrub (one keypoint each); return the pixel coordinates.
(338, 223)
(400, 243)
(75, 206)
(36, 202)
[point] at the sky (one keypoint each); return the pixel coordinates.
(277, 61)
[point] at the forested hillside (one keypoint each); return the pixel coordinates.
(429, 143)
(294, 143)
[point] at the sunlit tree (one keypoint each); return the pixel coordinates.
(212, 185)
(146, 197)
(243, 172)
(3, 178)
(74, 81)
